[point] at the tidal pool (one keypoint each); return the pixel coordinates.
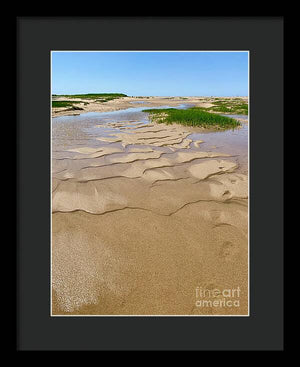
(85, 129)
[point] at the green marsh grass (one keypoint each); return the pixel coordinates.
(100, 96)
(194, 116)
(64, 103)
(235, 106)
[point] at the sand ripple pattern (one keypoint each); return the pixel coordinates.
(112, 177)
(143, 176)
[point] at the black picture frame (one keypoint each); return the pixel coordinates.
(263, 37)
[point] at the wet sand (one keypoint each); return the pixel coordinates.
(145, 213)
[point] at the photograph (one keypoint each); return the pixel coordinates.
(149, 183)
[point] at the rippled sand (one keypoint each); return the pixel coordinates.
(142, 215)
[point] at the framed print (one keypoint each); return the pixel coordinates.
(145, 183)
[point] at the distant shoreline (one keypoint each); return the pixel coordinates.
(83, 105)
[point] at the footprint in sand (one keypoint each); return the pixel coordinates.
(226, 194)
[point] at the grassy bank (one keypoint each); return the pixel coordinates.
(194, 116)
(64, 103)
(99, 97)
(234, 106)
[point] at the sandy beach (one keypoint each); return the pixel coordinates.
(145, 214)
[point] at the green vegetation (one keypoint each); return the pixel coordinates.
(234, 106)
(99, 97)
(64, 103)
(194, 116)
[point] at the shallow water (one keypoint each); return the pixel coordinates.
(84, 129)
(233, 142)
(244, 117)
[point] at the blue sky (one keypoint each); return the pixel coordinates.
(151, 73)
